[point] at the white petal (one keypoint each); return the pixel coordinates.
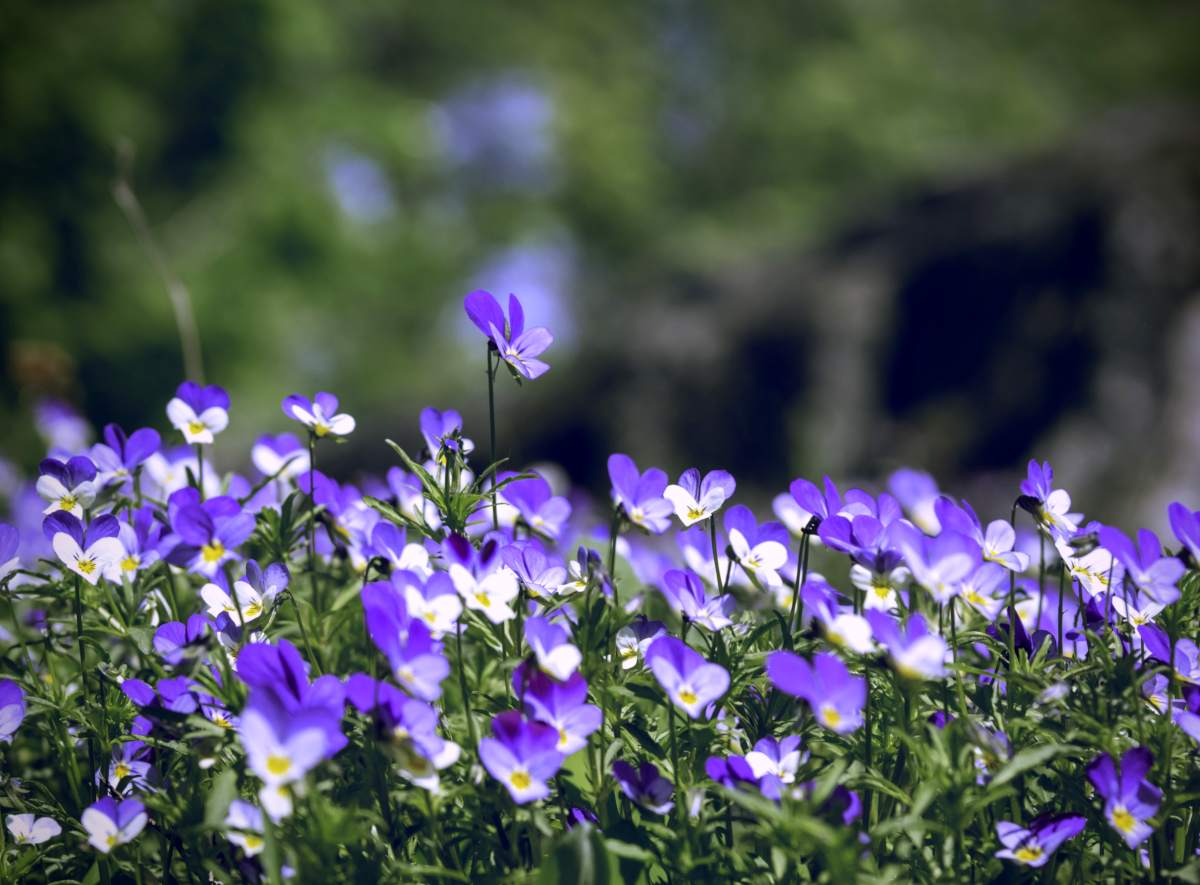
(215, 419)
(341, 424)
(180, 413)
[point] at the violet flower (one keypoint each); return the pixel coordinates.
(175, 640)
(120, 455)
(560, 704)
(10, 546)
(522, 755)
(835, 695)
(26, 830)
(551, 645)
(695, 499)
(777, 758)
(634, 639)
(918, 494)
(1033, 846)
(914, 651)
(761, 550)
(689, 599)
(1129, 799)
(199, 413)
(689, 680)
(1145, 565)
(540, 509)
(517, 346)
(542, 575)
(1185, 523)
(90, 553)
(209, 532)
(12, 709)
(644, 786)
(109, 824)
(416, 659)
(320, 414)
(255, 593)
(68, 487)
(282, 455)
(441, 429)
(938, 564)
(281, 746)
(996, 542)
(279, 674)
(140, 542)
(1050, 506)
(433, 600)
(640, 494)
(244, 827)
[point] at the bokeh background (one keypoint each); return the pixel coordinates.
(783, 238)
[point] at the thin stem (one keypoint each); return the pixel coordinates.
(312, 498)
(200, 469)
(712, 533)
(83, 673)
(462, 685)
(491, 375)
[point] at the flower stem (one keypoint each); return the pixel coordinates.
(491, 374)
(83, 673)
(462, 685)
(712, 533)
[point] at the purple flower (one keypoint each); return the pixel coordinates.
(69, 486)
(209, 532)
(1050, 506)
(836, 697)
(551, 645)
(1129, 799)
(542, 511)
(175, 639)
(689, 680)
(986, 589)
(130, 769)
(415, 657)
(278, 674)
(26, 830)
(1187, 655)
(12, 709)
(10, 545)
(777, 758)
(319, 415)
(92, 553)
(938, 564)
(199, 413)
(444, 429)
(542, 575)
(640, 494)
(996, 542)
(814, 502)
(255, 593)
(734, 772)
(281, 746)
(645, 786)
(560, 704)
(140, 542)
(695, 499)
(761, 550)
(1186, 525)
(244, 823)
(109, 824)
(917, 493)
(1152, 573)
(411, 725)
(689, 598)
(120, 455)
(914, 651)
(516, 345)
(282, 455)
(523, 756)
(1033, 846)
(634, 639)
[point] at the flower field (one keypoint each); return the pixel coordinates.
(464, 671)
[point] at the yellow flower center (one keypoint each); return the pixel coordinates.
(406, 674)
(130, 563)
(253, 610)
(687, 696)
(212, 552)
(482, 599)
(830, 716)
(430, 617)
(321, 428)
(520, 779)
(86, 566)
(882, 590)
(1123, 820)
(562, 737)
(278, 765)
(196, 427)
(253, 843)
(111, 840)
(696, 513)
(122, 770)
(67, 502)
(219, 719)
(1028, 853)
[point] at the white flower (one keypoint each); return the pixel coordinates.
(28, 831)
(195, 428)
(491, 595)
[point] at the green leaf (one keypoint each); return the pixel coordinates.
(223, 792)
(1030, 757)
(582, 857)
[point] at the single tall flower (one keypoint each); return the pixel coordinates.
(690, 681)
(69, 486)
(517, 346)
(522, 755)
(695, 499)
(640, 494)
(1033, 846)
(836, 696)
(109, 824)
(90, 553)
(199, 413)
(319, 415)
(1129, 799)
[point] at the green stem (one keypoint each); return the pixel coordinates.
(200, 469)
(83, 676)
(462, 685)
(491, 374)
(712, 533)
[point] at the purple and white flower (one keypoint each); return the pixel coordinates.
(90, 553)
(695, 499)
(522, 755)
(1034, 845)
(28, 830)
(68, 486)
(836, 696)
(320, 414)
(517, 346)
(199, 413)
(691, 682)
(110, 824)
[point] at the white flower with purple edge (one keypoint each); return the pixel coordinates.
(319, 415)
(199, 413)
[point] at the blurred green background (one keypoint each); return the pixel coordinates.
(329, 179)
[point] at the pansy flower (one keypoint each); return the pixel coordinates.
(282, 455)
(634, 639)
(120, 455)
(695, 499)
(551, 646)
(140, 539)
(209, 532)
(996, 542)
(760, 550)
(1129, 799)
(490, 594)
(1050, 506)
(90, 553)
(68, 486)
(174, 640)
(244, 827)
(10, 546)
(166, 472)
(918, 494)
(777, 758)
(541, 574)
(320, 414)
(986, 589)
(281, 746)
(644, 786)
(914, 651)
(540, 509)
(517, 346)
(199, 413)
(415, 657)
(689, 680)
(278, 672)
(432, 600)
(938, 564)
(689, 599)
(109, 823)
(842, 629)
(1185, 523)
(640, 495)
(1034, 845)
(255, 593)
(440, 429)
(562, 704)
(836, 696)
(27, 830)
(522, 755)
(1151, 572)
(12, 709)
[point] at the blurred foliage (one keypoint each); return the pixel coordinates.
(329, 179)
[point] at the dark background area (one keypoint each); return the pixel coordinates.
(783, 238)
